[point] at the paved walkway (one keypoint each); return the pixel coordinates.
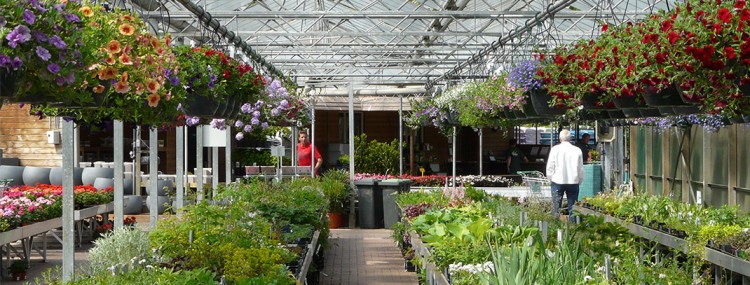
(360, 256)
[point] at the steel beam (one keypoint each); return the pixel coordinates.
(318, 34)
(443, 14)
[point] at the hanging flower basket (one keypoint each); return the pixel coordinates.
(200, 106)
(8, 79)
(669, 96)
(616, 114)
(631, 113)
(540, 100)
(628, 102)
(649, 112)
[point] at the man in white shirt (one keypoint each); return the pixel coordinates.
(565, 173)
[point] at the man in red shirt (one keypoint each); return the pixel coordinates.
(304, 149)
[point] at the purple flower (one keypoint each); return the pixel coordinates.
(39, 36)
(238, 124)
(192, 121)
(284, 103)
(275, 112)
(53, 68)
(60, 81)
(239, 136)
(16, 63)
(19, 35)
(43, 53)
(256, 114)
(264, 125)
(3, 22)
(58, 42)
(211, 85)
(212, 78)
(248, 128)
(70, 78)
(254, 121)
(4, 60)
(218, 124)
(246, 108)
(76, 54)
(59, 7)
(29, 17)
(174, 80)
(72, 18)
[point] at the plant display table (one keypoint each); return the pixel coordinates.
(711, 255)
(434, 276)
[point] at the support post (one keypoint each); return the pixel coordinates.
(481, 151)
(400, 135)
(67, 209)
(153, 177)
(214, 171)
(199, 161)
(137, 161)
(453, 151)
(228, 158)
(180, 171)
(119, 161)
(312, 139)
(351, 149)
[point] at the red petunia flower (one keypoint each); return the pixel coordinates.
(724, 15)
(729, 53)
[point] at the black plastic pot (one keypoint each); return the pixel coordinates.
(540, 100)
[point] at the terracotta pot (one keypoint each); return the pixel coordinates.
(338, 220)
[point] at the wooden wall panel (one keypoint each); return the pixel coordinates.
(24, 136)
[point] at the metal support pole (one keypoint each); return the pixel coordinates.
(400, 135)
(137, 161)
(351, 133)
(481, 150)
(453, 150)
(228, 158)
(67, 209)
(295, 135)
(153, 177)
(312, 139)
(180, 170)
(214, 171)
(199, 161)
(119, 160)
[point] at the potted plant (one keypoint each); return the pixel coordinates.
(18, 269)
(335, 186)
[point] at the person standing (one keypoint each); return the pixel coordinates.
(585, 147)
(565, 173)
(513, 158)
(304, 152)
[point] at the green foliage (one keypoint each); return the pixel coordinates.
(121, 247)
(413, 198)
(243, 263)
(254, 157)
(336, 187)
(142, 276)
(375, 157)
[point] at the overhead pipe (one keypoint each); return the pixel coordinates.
(529, 24)
(207, 19)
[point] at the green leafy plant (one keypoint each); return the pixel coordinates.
(336, 187)
(375, 157)
(120, 247)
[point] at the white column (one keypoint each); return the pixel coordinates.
(180, 169)
(351, 132)
(312, 138)
(199, 161)
(214, 171)
(67, 208)
(119, 160)
(153, 177)
(228, 157)
(453, 150)
(400, 134)
(481, 151)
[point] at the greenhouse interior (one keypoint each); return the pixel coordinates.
(374, 142)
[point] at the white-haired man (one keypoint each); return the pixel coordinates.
(565, 172)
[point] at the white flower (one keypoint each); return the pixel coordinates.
(550, 253)
(587, 278)
(662, 276)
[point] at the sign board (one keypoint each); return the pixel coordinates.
(214, 137)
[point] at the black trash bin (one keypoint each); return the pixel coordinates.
(370, 204)
(390, 209)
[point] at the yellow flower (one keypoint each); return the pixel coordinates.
(153, 100)
(127, 29)
(113, 46)
(155, 42)
(86, 11)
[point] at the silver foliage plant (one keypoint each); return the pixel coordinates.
(119, 250)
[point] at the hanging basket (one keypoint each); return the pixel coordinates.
(540, 100)
(590, 101)
(625, 102)
(686, 110)
(669, 96)
(8, 83)
(631, 113)
(200, 106)
(649, 112)
(616, 114)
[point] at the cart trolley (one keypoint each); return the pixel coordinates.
(538, 184)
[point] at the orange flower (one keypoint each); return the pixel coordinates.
(98, 89)
(125, 59)
(122, 87)
(152, 86)
(138, 88)
(127, 18)
(155, 42)
(86, 11)
(127, 29)
(113, 46)
(124, 76)
(108, 73)
(160, 50)
(110, 60)
(153, 100)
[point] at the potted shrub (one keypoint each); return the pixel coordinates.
(335, 186)
(18, 269)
